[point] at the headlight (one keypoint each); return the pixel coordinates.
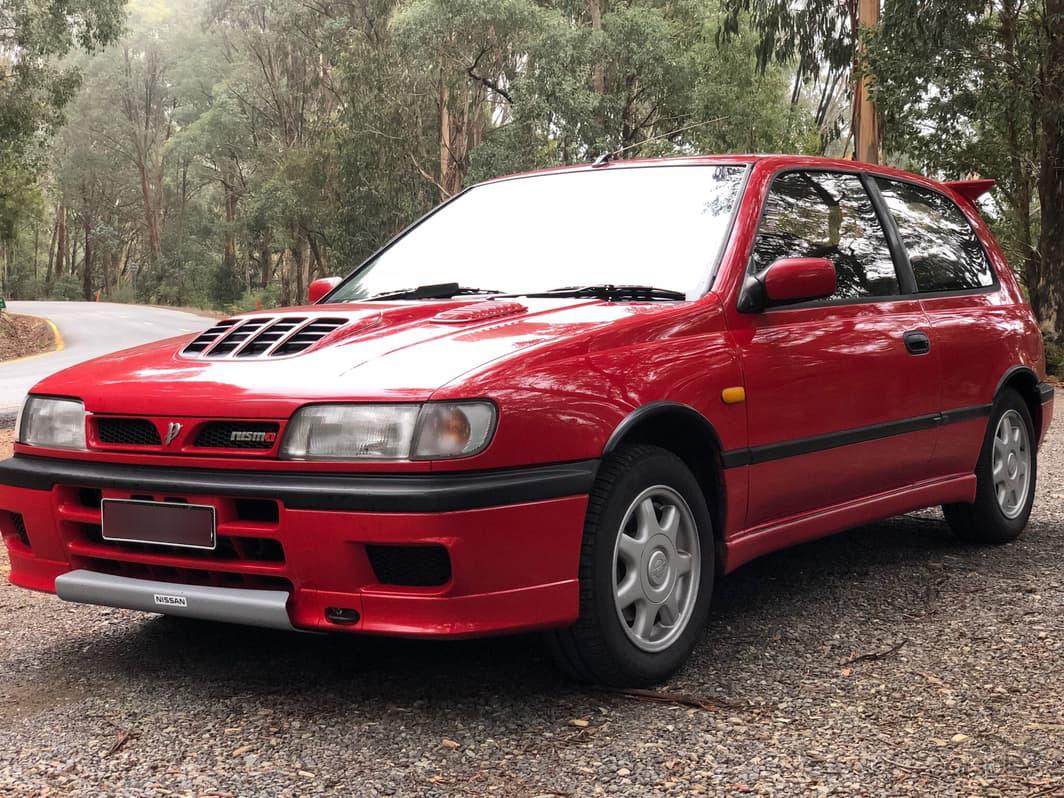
(389, 432)
(54, 423)
(453, 429)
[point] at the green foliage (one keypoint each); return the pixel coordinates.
(229, 152)
(1054, 357)
(34, 87)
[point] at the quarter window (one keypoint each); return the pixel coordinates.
(828, 215)
(944, 251)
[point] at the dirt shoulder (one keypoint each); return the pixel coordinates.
(24, 335)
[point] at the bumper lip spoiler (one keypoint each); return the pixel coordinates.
(387, 493)
(265, 608)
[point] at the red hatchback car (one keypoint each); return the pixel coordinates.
(565, 401)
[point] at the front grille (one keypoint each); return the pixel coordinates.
(237, 435)
(127, 432)
(262, 336)
(410, 566)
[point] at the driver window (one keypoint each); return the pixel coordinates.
(827, 215)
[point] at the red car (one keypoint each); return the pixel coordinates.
(566, 401)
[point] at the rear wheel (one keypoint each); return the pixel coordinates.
(1006, 474)
(646, 572)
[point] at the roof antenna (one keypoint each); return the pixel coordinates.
(606, 157)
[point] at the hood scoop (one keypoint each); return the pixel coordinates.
(261, 337)
(480, 311)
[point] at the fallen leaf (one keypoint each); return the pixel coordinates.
(241, 750)
(580, 723)
(960, 738)
(449, 743)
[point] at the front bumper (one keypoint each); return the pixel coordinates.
(511, 538)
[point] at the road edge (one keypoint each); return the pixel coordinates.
(57, 337)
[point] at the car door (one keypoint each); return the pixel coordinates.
(978, 328)
(841, 393)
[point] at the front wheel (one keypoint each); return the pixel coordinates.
(1006, 474)
(646, 572)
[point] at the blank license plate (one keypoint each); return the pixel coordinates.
(158, 523)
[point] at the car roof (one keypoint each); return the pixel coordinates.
(768, 162)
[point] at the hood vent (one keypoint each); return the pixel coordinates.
(261, 336)
(481, 311)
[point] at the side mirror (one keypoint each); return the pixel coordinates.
(320, 288)
(787, 281)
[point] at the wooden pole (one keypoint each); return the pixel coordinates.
(865, 117)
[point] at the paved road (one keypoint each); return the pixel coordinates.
(89, 329)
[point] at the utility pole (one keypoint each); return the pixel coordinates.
(865, 118)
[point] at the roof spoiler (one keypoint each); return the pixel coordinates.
(971, 190)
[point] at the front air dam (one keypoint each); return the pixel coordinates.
(230, 605)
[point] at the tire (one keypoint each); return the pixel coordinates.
(1001, 508)
(612, 643)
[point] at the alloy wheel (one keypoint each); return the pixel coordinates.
(1011, 465)
(656, 568)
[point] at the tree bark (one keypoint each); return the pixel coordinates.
(229, 254)
(1051, 182)
(1018, 155)
(86, 270)
(866, 117)
(445, 135)
(61, 241)
(598, 75)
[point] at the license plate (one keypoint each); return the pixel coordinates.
(189, 526)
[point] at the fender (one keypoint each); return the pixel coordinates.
(641, 414)
(1012, 372)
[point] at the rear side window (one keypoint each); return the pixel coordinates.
(827, 215)
(945, 252)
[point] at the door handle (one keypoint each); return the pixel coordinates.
(917, 342)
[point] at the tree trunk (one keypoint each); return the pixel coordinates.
(36, 246)
(445, 135)
(598, 75)
(229, 254)
(51, 253)
(61, 241)
(86, 270)
(151, 221)
(1018, 157)
(866, 118)
(1051, 183)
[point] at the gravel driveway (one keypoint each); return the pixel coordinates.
(887, 660)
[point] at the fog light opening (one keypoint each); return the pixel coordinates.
(343, 616)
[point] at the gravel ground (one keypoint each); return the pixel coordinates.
(887, 660)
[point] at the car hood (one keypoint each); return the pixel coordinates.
(359, 352)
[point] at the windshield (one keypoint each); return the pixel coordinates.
(660, 226)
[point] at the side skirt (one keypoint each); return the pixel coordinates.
(749, 544)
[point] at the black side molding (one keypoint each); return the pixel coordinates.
(1045, 391)
(833, 440)
(386, 493)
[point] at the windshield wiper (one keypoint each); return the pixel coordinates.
(432, 291)
(611, 293)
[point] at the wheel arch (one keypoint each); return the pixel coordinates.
(689, 435)
(1024, 381)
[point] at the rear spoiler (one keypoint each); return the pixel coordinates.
(971, 190)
